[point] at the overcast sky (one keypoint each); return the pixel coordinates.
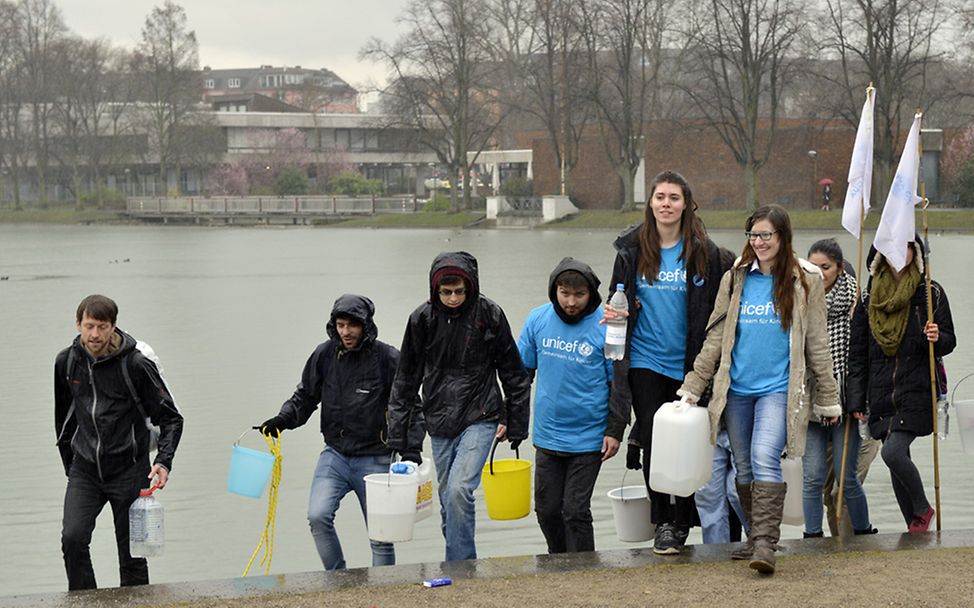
(250, 33)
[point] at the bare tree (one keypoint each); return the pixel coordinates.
(741, 53)
(41, 31)
(441, 85)
(167, 60)
(624, 42)
(12, 137)
(541, 47)
(893, 44)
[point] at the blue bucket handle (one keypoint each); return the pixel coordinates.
(253, 428)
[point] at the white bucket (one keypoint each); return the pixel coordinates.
(630, 509)
(964, 412)
(390, 501)
(791, 471)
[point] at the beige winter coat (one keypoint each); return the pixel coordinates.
(809, 351)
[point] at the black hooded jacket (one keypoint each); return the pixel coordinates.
(98, 422)
(896, 389)
(352, 385)
(457, 356)
(701, 293)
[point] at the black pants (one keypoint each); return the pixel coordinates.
(84, 499)
(649, 391)
(563, 485)
(907, 485)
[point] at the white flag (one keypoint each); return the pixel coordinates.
(897, 226)
(857, 195)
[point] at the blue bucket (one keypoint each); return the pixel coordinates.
(249, 470)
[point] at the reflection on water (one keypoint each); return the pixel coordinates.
(234, 313)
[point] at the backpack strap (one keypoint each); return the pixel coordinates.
(131, 386)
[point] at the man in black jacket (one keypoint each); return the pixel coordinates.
(350, 375)
(456, 346)
(104, 391)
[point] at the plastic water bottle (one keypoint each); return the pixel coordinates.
(146, 525)
(943, 417)
(615, 330)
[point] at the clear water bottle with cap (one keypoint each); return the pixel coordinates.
(943, 417)
(146, 525)
(615, 330)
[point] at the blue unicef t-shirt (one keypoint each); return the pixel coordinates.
(659, 340)
(571, 400)
(761, 355)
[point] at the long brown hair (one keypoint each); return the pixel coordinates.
(785, 263)
(694, 236)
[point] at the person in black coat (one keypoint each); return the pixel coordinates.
(350, 375)
(671, 272)
(457, 345)
(889, 368)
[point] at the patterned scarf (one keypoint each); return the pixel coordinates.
(838, 304)
(889, 305)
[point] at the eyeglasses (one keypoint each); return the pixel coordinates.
(764, 236)
(459, 291)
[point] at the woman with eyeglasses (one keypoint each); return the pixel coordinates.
(768, 332)
(671, 270)
(840, 295)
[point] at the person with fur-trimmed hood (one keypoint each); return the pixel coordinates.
(456, 346)
(889, 368)
(562, 343)
(769, 335)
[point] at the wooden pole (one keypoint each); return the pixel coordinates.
(848, 419)
(932, 357)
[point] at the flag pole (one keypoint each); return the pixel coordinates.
(933, 370)
(848, 419)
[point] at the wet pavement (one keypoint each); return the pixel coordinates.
(308, 582)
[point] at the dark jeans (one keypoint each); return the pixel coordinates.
(563, 485)
(84, 499)
(649, 391)
(907, 485)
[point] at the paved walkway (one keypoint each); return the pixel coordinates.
(907, 563)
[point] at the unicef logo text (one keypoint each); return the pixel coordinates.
(672, 276)
(582, 348)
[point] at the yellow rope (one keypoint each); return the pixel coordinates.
(267, 538)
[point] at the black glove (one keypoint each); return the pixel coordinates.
(632, 457)
(273, 426)
(515, 443)
(411, 456)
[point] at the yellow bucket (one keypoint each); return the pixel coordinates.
(507, 486)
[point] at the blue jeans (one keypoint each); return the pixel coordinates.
(757, 429)
(814, 471)
(459, 462)
(335, 476)
(713, 499)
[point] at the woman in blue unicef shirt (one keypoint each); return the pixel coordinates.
(671, 270)
(769, 330)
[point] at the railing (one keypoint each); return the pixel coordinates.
(523, 205)
(270, 206)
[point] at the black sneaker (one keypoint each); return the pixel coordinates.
(681, 536)
(666, 541)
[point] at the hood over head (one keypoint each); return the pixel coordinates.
(356, 307)
(458, 263)
(875, 258)
(586, 271)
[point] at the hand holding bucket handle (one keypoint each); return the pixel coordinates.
(493, 448)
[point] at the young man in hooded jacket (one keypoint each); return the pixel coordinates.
(456, 346)
(574, 429)
(104, 389)
(350, 375)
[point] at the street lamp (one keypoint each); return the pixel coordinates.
(812, 154)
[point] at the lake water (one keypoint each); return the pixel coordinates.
(234, 313)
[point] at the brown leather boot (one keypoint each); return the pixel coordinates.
(747, 548)
(768, 503)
